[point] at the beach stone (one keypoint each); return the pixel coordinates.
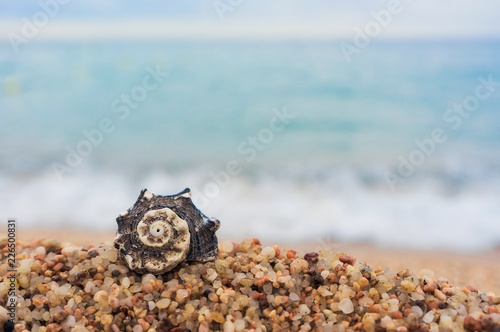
(492, 310)
(4, 315)
(440, 295)
(304, 310)
(163, 303)
(101, 297)
(311, 257)
(445, 322)
(268, 289)
(347, 259)
(412, 321)
(294, 297)
(239, 325)
(125, 282)
(298, 265)
(430, 288)
(147, 288)
(39, 253)
(245, 245)
(229, 327)
(204, 327)
(218, 317)
(346, 306)
(106, 319)
(428, 317)
(268, 252)
(226, 246)
(407, 286)
(418, 311)
(471, 289)
(472, 324)
(182, 294)
(135, 288)
(25, 266)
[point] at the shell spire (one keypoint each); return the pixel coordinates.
(159, 232)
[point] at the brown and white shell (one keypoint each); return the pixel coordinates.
(159, 232)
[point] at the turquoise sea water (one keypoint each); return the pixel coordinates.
(85, 126)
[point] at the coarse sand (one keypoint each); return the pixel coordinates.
(81, 284)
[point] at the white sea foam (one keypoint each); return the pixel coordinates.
(275, 209)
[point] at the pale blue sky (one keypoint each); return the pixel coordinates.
(424, 18)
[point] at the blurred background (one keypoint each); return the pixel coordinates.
(290, 121)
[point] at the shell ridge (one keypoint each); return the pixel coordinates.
(204, 245)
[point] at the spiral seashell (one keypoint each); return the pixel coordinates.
(159, 232)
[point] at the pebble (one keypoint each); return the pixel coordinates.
(182, 294)
(148, 288)
(418, 311)
(408, 286)
(268, 289)
(218, 317)
(226, 246)
(126, 282)
(294, 297)
(430, 288)
(472, 324)
(385, 321)
(440, 295)
(445, 322)
(106, 319)
(304, 310)
(136, 288)
(151, 305)
(249, 287)
(346, 306)
(347, 259)
(4, 315)
(229, 326)
(163, 303)
(428, 317)
(239, 325)
(101, 297)
(268, 252)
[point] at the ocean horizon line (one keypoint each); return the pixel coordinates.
(155, 29)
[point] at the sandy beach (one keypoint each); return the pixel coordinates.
(478, 269)
(77, 281)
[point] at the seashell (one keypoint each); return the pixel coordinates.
(159, 232)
